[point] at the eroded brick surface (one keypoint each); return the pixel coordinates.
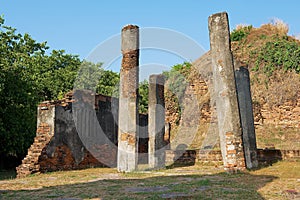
(58, 145)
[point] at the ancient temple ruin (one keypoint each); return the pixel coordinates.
(91, 130)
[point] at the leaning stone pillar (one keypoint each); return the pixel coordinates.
(128, 101)
(246, 113)
(156, 125)
(225, 90)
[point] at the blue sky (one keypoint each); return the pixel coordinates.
(79, 26)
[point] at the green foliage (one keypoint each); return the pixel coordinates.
(239, 34)
(28, 76)
(92, 77)
(176, 79)
(183, 68)
(108, 83)
(176, 84)
(280, 53)
(143, 97)
(56, 74)
(88, 76)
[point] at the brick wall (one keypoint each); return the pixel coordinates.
(60, 145)
(30, 164)
(77, 132)
(285, 115)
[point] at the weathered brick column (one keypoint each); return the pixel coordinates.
(225, 90)
(246, 113)
(156, 125)
(128, 101)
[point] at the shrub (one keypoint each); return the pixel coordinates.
(239, 33)
(280, 53)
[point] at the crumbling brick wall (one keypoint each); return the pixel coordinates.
(61, 143)
(44, 133)
(286, 115)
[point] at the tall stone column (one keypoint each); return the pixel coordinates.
(128, 101)
(225, 90)
(246, 113)
(156, 125)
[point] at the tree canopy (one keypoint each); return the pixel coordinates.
(28, 75)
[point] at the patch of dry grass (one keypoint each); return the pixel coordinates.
(282, 27)
(281, 87)
(279, 137)
(205, 182)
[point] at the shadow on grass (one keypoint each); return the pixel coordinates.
(179, 165)
(216, 186)
(7, 174)
(268, 157)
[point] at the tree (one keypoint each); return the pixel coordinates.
(28, 76)
(143, 96)
(88, 76)
(56, 74)
(109, 83)
(92, 77)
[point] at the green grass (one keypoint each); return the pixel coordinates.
(193, 182)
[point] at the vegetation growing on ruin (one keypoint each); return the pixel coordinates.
(268, 48)
(175, 87)
(273, 58)
(240, 33)
(31, 74)
(280, 53)
(176, 79)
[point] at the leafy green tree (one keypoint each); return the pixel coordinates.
(28, 75)
(18, 55)
(56, 74)
(88, 76)
(92, 77)
(109, 83)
